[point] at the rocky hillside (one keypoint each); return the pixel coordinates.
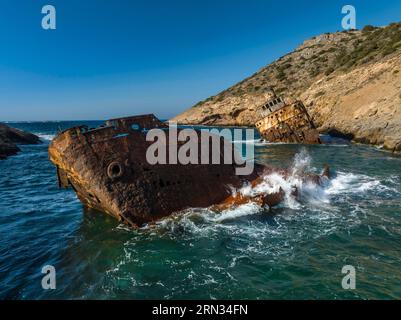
(10, 137)
(350, 82)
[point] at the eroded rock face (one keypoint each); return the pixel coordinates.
(10, 137)
(350, 83)
(363, 104)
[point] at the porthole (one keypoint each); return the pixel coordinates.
(115, 170)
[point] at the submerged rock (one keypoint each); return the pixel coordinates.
(10, 137)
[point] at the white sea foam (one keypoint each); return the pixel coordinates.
(45, 137)
(259, 142)
(256, 142)
(348, 183)
(248, 233)
(235, 213)
(318, 207)
(272, 183)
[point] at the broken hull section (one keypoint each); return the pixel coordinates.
(287, 123)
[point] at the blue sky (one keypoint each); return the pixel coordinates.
(117, 58)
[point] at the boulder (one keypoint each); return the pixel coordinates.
(10, 137)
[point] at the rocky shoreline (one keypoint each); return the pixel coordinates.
(11, 137)
(350, 83)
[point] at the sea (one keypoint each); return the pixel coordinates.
(300, 250)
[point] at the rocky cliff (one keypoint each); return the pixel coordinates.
(350, 82)
(10, 137)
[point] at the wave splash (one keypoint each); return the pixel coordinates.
(312, 201)
(45, 137)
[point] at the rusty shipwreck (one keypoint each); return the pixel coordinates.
(108, 170)
(287, 121)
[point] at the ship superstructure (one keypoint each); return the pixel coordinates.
(286, 121)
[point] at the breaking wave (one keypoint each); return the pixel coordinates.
(214, 245)
(250, 232)
(259, 142)
(320, 205)
(45, 137)
(256, 142)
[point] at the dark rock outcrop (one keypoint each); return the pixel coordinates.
(10, 137)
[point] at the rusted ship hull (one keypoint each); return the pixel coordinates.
(108, 170)
(287, 123)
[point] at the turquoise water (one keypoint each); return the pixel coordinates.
(296, 251)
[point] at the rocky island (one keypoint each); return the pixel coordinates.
(349, 81)
(11, 137)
